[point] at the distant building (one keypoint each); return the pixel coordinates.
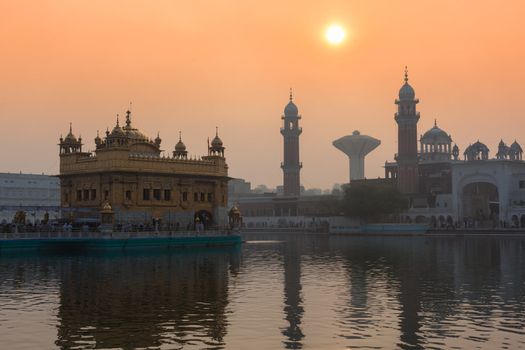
(128, 171)
(477, 191)
(279, 211)
(280, 190)
(36, 195)
(238, 188)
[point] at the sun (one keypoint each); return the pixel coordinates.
(335, 34)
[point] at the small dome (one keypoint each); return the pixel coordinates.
(480, 146)
(406, 92)
(235, 211)
(216, 142)
(135, 134)
(516, 147)
(117, 131)
(436, 135)
(291, 109)
(180, 146)
(70, 137)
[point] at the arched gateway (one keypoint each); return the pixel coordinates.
(480, 204)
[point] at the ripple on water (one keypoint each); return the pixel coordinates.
(284, 291)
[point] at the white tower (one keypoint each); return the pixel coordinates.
(356, 147)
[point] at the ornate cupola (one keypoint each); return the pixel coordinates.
(70, 144)
(158, 140)
(98, 140)
(515, 151)
(503, 151)
(180, 149)
(476, 151)
(436, 145)
(216, 148)
(117, 137)
(407, 155)
(455, 152)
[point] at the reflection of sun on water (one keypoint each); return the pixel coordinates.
(335, 34)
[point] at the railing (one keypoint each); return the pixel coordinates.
(113, 234)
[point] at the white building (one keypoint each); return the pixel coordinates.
(484, 191)
(33, 194)
(490, 189)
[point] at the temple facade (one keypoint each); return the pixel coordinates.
(129, 171)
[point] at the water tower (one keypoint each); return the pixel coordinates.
(356, 147)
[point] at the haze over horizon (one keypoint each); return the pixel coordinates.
(192, 66)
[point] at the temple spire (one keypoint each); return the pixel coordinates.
(216, 131)
(406, 75)
(435, 122)
(291, 95)
(117, 120)
(71, 128)
(128, 116)
(180, 136)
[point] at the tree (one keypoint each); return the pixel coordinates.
(372, 202)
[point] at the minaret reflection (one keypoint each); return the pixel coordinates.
(145, 300)
(293, 300)
(410, 303)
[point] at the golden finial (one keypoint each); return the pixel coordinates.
(117, 120)
(70, 128)
(216, 131)
(291, 95)
(406, 74)
(180, 136)
(435, 122)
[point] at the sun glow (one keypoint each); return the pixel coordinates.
(335, 34)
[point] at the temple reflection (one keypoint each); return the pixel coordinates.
(158, 298)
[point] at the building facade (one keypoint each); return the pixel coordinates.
(476, 191)
(35, 195)
(128, 171)
(271, 210)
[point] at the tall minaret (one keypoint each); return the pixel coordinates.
(407, 158)
(291, 165)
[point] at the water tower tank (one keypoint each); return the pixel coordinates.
(356, 147)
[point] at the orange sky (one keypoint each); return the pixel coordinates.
(192, 65)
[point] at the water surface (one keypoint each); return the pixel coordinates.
(288, 291)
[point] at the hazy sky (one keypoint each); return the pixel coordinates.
(194, 65)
